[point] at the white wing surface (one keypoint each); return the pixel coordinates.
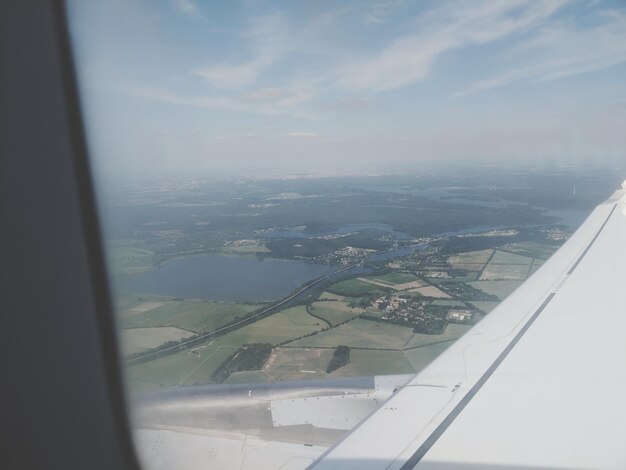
(538, 384)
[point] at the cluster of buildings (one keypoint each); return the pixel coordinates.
(415, 311)
(345, 256)
(399, 309)
(555, 234)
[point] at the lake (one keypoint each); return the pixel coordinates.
(224, 277)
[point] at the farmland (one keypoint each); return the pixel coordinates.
(420, 271)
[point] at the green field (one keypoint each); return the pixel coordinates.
(334, 312)
(125, 260)
(504, 257)
(206, 365)
(533, 249)
(367, 363)
(279, 327)
(500, 289)
(138, 340)
(355, 288)
(247, 377)
(196, 365)
(192, 315)
(188, 367)
(359, 333)
(395, 278)
(503, 272)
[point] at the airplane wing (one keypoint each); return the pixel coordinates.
(537, 384)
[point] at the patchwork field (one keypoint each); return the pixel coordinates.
(309, 336)
(196, 365)
(137, 340)
(359, 333)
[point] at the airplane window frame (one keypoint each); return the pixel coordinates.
(65, 402)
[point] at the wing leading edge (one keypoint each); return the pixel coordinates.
(538, 384)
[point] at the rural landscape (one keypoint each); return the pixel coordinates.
(294, 278)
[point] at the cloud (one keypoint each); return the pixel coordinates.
(208, 102)
(265, 94)
(564, 50)
(453, 26)
(187, 6)
(272, 41)
(233, 76)
(303, 135)
(220, 101)
(267, 43)
(379, 12)
(294, 66)
(353, 103)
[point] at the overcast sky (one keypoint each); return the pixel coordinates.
(189, 85)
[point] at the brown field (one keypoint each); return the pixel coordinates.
(405, 286)
(471, 257)
(431, 291)
(297, 363)
(504, 272)
(144, 307)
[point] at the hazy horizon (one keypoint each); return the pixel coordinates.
(185, 87)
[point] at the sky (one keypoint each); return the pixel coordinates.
(189, 86)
